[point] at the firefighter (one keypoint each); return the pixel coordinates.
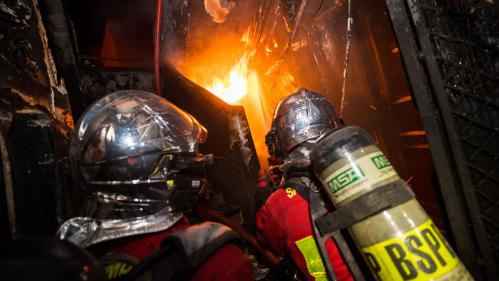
(134, 157)
(283, 222)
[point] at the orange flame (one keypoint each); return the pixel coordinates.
(241, 86)
(233, 87)
(234, 82)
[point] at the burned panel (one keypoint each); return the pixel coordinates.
(96, 82)
(37, 103)
(27, 66)
(31, 181)
(452, 59)
(236, 167)
(7, 212)
(465, 54)
(32, 155)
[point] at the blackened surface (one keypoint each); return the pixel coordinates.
(29, 136)
(96, 82)
(4, 219)
(20, 67)
(19, 36)
(26, 64)
(61, 43)
(459, 55)
(31, 147)
(6, 116)
(464, 67)
(27, 70)
(174, 29)
(229, 138)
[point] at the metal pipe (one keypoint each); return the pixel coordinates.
(157, 37)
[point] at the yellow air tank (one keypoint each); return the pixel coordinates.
(398, 243)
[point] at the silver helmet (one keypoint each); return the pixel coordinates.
(299, 117)
(139, 153)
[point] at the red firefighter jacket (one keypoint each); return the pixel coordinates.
(283, 224)
(136, 248)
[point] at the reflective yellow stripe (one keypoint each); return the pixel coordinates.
(312, 258)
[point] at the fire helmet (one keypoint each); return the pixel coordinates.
(299, 117)
(139, 152)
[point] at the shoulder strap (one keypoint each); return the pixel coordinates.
(202, 240)
(302, 183)
(301, 188)
(184, 251)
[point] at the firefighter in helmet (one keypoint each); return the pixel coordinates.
(134, 157)
(283, 222)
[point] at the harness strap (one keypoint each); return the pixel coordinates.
(182, 252)
(300, 187)
(317, 210)
(312, 247)
(371, 203)
(311, 192)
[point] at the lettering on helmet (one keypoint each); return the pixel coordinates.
(418, 254)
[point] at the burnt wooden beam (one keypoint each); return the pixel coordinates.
(62, 43)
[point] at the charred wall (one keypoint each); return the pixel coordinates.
(450, 49)
(36, 119)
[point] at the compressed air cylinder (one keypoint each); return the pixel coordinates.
(401, 243)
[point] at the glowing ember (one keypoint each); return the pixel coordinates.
(234, 86)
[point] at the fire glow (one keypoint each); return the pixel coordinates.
(228, 75)
(233, 87)
(241, 86)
